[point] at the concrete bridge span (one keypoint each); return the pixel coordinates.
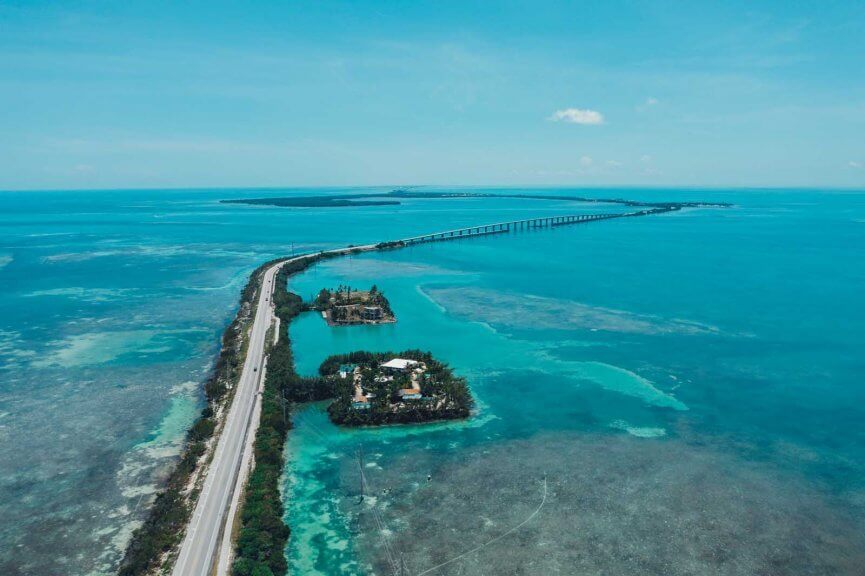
(515, 225)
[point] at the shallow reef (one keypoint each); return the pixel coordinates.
(614, 505)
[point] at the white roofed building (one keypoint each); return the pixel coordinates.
(399, 364)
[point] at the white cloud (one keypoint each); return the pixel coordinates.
(586, 161)
(613, 163)
(647, 104)
(854, 164)
(645, 159)
(578, 116)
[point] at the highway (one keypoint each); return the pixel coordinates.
(210, 526)
(205, 526)
(207, 546)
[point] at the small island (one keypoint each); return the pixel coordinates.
(394, 388)
(346, 306)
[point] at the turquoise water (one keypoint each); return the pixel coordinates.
(683, 380)
(111, 307)
(691, 384)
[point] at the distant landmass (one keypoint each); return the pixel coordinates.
(392, 198)
(317, 201)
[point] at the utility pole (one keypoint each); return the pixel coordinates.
(360, 468)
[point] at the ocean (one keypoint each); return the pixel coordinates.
(672, 394)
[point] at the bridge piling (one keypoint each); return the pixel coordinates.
(525, 224)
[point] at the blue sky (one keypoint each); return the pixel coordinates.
(169, 94)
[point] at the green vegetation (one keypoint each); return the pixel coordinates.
(567, 198)
(444, 396)
(263, 534)
(280, 361)
(167, 518)
(390, 244)
(341, 201)
(346, 305)
(394, 196)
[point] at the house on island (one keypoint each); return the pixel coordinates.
(396, 365)
(345, 306)
(416, 371)
(360, 399)
(371, 313)
(360, 402)
(410, 394)
(393, 388)
(346, 369)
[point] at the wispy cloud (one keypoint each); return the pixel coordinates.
(647, 104)
(585, 166)
(578, 116)
(854, 164)
(648, 166)
(157, 145)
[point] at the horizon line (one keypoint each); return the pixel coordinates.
(400, 186)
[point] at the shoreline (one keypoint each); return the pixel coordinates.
(393, 197)
(327, 320)
(142, 557)
(154, 543)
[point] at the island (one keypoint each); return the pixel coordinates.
(346, 306)
(322, 201)
(365, 389)
(395, 197)
(394, 388)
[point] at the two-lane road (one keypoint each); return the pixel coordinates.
(203, 533)
(224, 478)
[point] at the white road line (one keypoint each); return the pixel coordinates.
(213, 515)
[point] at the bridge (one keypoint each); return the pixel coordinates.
(514, 225)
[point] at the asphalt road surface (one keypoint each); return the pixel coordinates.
(203, 534)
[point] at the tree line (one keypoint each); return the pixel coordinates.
(163, 527)
(440, 382)
(261, 542)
